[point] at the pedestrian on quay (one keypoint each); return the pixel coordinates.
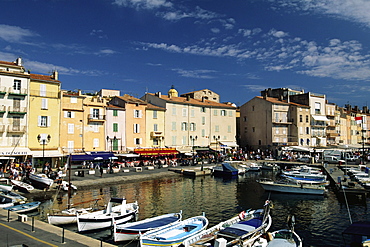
(101, 171)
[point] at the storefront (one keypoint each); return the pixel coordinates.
(156, 152)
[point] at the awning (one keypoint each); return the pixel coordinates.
(17, 151)
(320, 118)
(156, 151)
(92, 156)
(47, 153)
(128, 155)
(228, 144)
(184, 149)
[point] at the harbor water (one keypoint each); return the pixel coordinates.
(320, 220)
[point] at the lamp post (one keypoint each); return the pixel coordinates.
(216, 138)
(43, 141)
(193, 138)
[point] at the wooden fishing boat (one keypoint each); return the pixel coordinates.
(101, 219)
(291, 187)
(175, 234)
(5, 184)
(14, 196)
(5, 202)
(21, 186)
(246, 232)
(41, 181)
(207, 236)
(26, 207)
(69, 215)
(132, 230)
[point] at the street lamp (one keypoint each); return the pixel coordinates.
(43, 141)
(193, 139)
(216, 138)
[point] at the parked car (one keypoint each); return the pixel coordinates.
(333, 160)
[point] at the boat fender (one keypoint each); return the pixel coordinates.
(242, 215)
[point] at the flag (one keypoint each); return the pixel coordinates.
(358, 120)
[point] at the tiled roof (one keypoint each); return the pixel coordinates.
(42, 77)
(8, 63)
(131, 99)
(278, 101)
(191, 101)
(154, 107)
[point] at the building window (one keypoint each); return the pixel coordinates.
(155, 114)
(203, 132)
(115, 127)
(173, 111)
(173, 125)
(245, 119)
(115, 144)
(192, 127)
(223, 113)
(307, 130)
(95, 127)
(43, 121)
(96, 143)
(42, 90)
(136, 128)
(317, 108)
(137, 141)
(306, 118)
(253, 129)
(217, 128)
(192, 113)
(137, 114)
(17, 85)
(203, 120)
(300, 118)
(173, 140)
(202, 109)
(184, 112)
(228, 129)
(95, 113)
(70, 146)
(183, 140)
(230, 113)
(115, 113)
(69, 114)
(44, 104)
(184, 126)
(252, 107)
(71, 128)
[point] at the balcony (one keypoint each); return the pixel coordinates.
(2, 109)
(2, 128)
(16, 129)
(17, 110)
(156, 134)
(21, 92)
(2, 90)
(96, 118)
(281, 121)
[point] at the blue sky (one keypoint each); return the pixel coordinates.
(236, 48)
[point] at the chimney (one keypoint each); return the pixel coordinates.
(365, 109)
(158, 94)
(55, 75)
(18, 61)
(188, 97)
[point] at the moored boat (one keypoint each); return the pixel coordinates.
(26, 207)
(101, 219)
(41, 181)
(225, 170)
(5, 202)
(21, 186)
(290, 187)
(132, 230)
(175, 234)
(245, 232)
(14, 196)
(5, 184)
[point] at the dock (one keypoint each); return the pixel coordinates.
(193, 172)
(342, 184)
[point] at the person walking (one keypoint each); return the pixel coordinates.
(101, 171)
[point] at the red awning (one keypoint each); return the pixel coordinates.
(156, 151)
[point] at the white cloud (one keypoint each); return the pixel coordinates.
(353, 10)
(105, 52)
(144, 4)
(14, 34)
(200, 74)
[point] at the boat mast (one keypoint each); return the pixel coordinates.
(69, 181)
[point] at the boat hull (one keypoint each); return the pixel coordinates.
(175, 234)
(293, 188)
(24, 207)
(132, 231)
(40, 182)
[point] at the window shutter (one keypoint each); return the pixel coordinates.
(39, 121)
(65, 114)
(48, 119)
(72, 114)
(140, 113)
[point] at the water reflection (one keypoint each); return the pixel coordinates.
(319, 220)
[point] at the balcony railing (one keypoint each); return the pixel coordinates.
(17, 110)
(20, 92)
(93, 117)
(2, 128)
(16, 129)
(156, 134)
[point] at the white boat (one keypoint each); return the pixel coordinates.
(64, 185)
(21, 186)
(22, 208)
(175, 234)
(5, 184)
(308, 174)
(5, 202)
(119, 214)
(290, 187)
(207, 236)
(254, 167)
(68, 216)
(269, 166)
(41, 181)
(132, 230)
(280, 238)
(14, 196)
(246, 232)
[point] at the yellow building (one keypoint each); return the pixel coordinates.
(155, 116)
(44, 118)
